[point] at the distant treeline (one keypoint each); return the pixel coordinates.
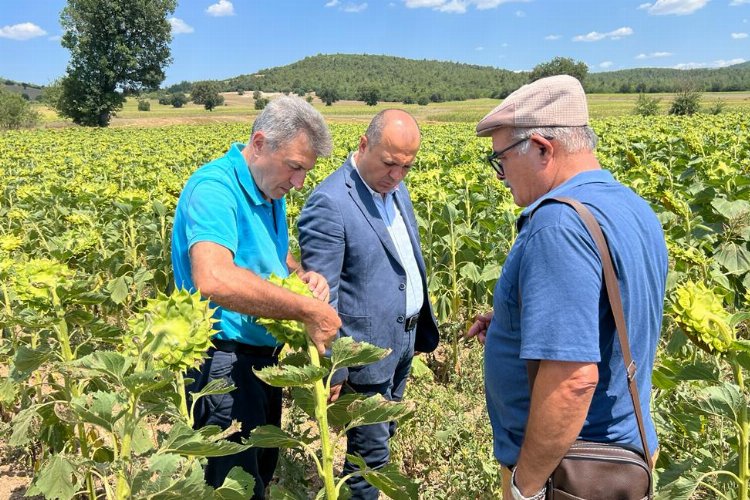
(398, 79)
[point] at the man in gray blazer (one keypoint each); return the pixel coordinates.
(358, 230)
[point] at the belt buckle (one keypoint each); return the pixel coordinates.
(411, 322)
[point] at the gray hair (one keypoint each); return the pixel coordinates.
(287, 116)
(572, 139)
(374, 131)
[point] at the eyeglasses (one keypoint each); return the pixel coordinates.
(496, 163)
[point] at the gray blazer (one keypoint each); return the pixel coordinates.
(343, 237)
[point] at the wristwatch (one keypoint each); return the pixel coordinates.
(516, 493)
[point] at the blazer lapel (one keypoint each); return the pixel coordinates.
(363, 199)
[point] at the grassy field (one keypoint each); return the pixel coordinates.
(240, 108)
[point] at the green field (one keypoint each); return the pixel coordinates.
(241, 108)
(84, 251)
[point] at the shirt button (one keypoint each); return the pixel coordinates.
(400, 319)
(402, 286)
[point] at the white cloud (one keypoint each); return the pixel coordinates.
(720, 63)
(23, 31)
(504, 45)
(674, 7)
(354, 7)
(737, 3)
(653, 55)
(457, 6)
(480, 48)
(552, 37)
(606, 64)
(179, 26)
(595, 36)
(332, 3)
(220, 9)
(55, 38)
(520, 13)
(738, 36)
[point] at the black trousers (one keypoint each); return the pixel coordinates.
(253, 403)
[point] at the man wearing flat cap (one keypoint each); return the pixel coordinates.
(550, 306)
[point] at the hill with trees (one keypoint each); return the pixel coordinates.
(395, 78)
(400, 79)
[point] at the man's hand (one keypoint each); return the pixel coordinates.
(479, 328)
(335, 393)
(317, 284)
(322, 324)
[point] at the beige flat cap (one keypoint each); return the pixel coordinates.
(555, 101)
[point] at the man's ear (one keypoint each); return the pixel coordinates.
(544, 146)
(362, 144)
(258, 140)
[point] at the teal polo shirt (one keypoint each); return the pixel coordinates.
(222, 204)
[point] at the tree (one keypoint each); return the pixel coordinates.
(560, 66)
(261, 103)
(16, 112)
(687, 102)
(178, 100)
(207, 93)
(144, 105)
(328, 95)
(116, 47)
(646, 106)
(370, 95)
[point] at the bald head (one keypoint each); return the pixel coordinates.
(387, 150)
(401, 121)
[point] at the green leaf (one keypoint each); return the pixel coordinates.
(118, 290)
(238, 485)
(730, 209)
(737, 318)
(698, 371)
(111, 363)
(376, 409)
(305, 399)
(470, 271)
(213, 388)
(27, 360)
(55, 479)
(733, 257)
(490, 272)
(8, 390)
(96, 408)
(170, 476)
(390, 481)
(183, 440)
(277, 492)
(346, 352)
(291, 376)
(725, 400)
(22, 426)
(146, 381)
(270, 436)
(420, 370)
(338, 412)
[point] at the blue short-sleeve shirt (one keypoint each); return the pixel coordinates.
(550, 304)
(222, 204)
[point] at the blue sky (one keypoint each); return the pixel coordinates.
(216, 39)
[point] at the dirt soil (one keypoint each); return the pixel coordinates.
(15, 476)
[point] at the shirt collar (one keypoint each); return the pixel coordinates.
(587, 177)
(374, 193)
(243, 174)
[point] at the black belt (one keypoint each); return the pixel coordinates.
(411, 322)
(265, 351)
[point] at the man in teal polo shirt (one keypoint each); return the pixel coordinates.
(229, 235)
(550, 303)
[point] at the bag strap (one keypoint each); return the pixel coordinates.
(615, 302)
